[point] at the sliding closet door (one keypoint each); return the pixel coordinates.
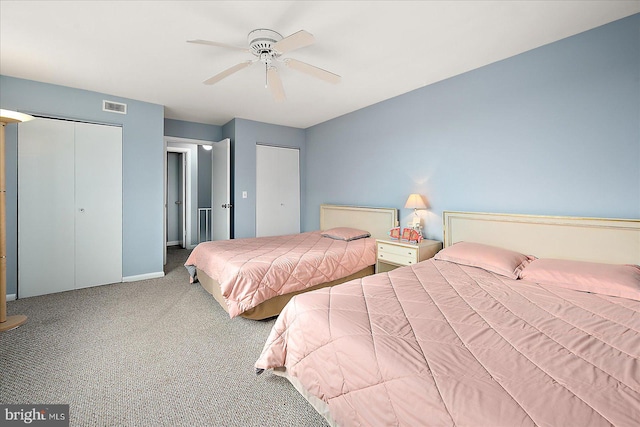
(69, 206)
(277, 191)
(98, 204)
(46, 223)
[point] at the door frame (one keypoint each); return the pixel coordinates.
(173, 142)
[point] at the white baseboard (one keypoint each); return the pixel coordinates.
(175, 243)
(11, 297)
(146, 276)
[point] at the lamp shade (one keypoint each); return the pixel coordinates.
(415, 201)
(8, 116)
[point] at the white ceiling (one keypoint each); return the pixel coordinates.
(138, 49)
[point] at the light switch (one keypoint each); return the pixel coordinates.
(244, 194)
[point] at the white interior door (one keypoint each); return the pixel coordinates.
(46, 207)
(98, 204)
(183, 201)
(175, 200)
(69, 206)
(221, 190)
(277, 191)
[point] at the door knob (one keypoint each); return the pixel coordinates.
(178, 202)
(81, 209)
(227, 206)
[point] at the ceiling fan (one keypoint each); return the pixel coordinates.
(268, 46)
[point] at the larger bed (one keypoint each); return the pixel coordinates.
(442, 343)
(255, 277)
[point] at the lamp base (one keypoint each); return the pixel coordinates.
(12, 322)
(416, 222)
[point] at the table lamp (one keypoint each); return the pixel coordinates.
(415, 202)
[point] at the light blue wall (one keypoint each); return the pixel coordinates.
(245, 134)
(553, 131)
(204, 178)
(142, 158)
(192, 130)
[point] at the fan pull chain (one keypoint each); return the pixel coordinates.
(266, 75)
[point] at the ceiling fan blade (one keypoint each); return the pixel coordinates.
(227, 72)
(313, 71)
(294, 41)
(210, 43)
(275, 84)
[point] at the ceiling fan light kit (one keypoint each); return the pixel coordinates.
(268, 46)
(261, 41)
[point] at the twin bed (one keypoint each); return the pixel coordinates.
(255, 278)
(520, 320)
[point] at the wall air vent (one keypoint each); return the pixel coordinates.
(114, 107)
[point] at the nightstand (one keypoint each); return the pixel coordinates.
(395, 253)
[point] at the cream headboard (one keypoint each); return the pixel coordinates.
(615, 241)
(377, 221)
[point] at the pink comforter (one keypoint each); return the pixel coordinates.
(440, 344)
(254, 270)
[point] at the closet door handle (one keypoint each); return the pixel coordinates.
(81, 209)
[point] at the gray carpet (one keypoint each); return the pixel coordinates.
(158, 352)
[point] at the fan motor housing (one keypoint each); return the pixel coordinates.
(261, 40)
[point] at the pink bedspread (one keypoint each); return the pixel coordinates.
(438, 344)
(254, 270)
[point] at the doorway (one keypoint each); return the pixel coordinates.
(194, 200)
(186, 189)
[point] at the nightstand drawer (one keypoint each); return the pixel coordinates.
(397, 254)
(397, 259)
(393, 253)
